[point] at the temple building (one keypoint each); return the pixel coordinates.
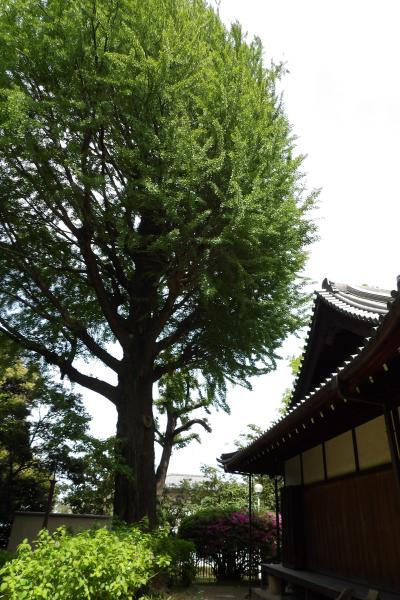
(338, 449)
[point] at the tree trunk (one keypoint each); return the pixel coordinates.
(135, 484)
(162, 468)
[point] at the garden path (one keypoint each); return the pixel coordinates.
(213, 592)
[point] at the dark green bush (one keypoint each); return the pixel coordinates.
(223, 537)
(5, 557)
(182, 569)
(95, 564)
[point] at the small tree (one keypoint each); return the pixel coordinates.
(91, 490)
(42, 426)
(181, 395)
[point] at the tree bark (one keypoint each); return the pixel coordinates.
(135, 484)
(162, 468)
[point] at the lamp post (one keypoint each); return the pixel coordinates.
(250, 533)
(258, 488)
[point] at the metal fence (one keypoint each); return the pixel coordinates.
(205, 570)
(236, 567)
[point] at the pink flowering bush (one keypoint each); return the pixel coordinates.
(223, 537)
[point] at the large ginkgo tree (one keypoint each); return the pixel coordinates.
(152, 210)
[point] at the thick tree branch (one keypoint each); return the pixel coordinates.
(74, 326)
(117, 324)
(167, 444)
(92, 383)
(46, 173)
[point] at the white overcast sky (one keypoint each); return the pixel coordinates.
(342, 96)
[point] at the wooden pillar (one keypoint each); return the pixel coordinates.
(394, 444)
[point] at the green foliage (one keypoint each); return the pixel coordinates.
(41, 427)
(146, 144)
(97, 564)
(223, 536)
(150, 196)
(91, 490)
(218, 490)
(295, 365)
(182, 569)
(250, 435)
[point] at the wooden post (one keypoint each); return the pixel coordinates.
(277, 515)
(274, 585)
(393, 446)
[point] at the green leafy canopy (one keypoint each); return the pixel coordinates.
(150, 193)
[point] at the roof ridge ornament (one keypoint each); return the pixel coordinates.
(327, 285)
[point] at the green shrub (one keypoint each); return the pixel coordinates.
(182, 569)
(95, 564)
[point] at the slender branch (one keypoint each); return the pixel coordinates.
(183, 327)
(186, 409)
(189, 355)
(190, 424)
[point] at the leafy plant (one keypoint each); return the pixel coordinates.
(182, 569)
(96, 564)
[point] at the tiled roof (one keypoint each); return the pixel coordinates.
(360, 302)
(177, 479)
